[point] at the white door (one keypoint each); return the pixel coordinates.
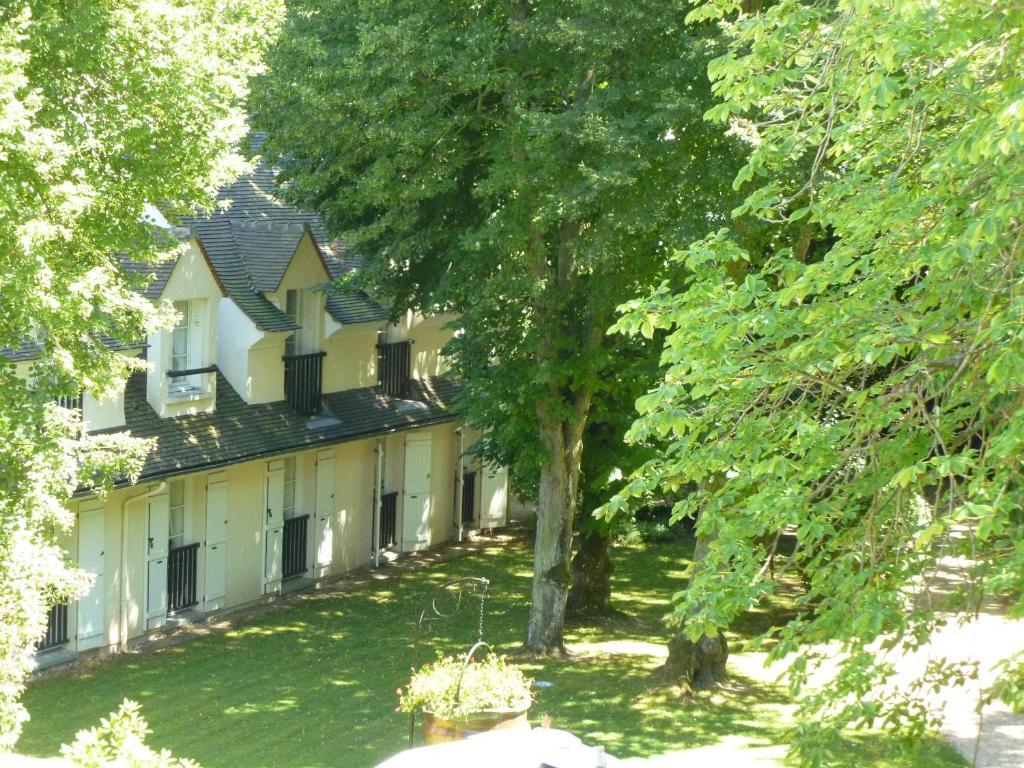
(494, 497)
(325, 513)
(416, 497)
(273, 526)
(157, 529)
(91, 560)
(216, 541)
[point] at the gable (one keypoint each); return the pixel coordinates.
(192, 276)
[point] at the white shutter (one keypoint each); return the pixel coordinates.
(91, 559)
(274, 513)
(216, 540)
(156, 590)
(196, 341)
(325, 512)
(216, 571)
(273, 526)
(494, 497)
(416, 497)
(157, 529)
(272, 560)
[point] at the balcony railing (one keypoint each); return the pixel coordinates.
(468, 497)
(303, 381)
(388, 519)
(71, 402)
(191, 383)
(394, 367)
(56, 627)
(181, 577)
(293, 546)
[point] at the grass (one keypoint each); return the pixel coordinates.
(313, 684)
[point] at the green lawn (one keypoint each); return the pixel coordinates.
(313, 684)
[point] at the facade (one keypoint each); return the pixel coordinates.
(299, 434)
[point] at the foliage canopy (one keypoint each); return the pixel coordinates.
(865, 394)
(105, 107)
(525, 165)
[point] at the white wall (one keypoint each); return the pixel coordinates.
(105, 413)
(351, 361)
(429, 335)
(190, 280)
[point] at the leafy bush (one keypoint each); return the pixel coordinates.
(490, 684)
(118, 741)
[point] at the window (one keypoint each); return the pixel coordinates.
(179, 345)
(289, 488)
(187, 350)
(176, 517)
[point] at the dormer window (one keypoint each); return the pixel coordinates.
(189, 374)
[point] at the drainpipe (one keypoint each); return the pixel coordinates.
(460, 475)
(122, 625)
(378, 501)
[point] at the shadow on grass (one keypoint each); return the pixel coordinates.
(313, 684)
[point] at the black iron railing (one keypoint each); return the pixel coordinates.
(303, 381)
(293, 546)
(56, 627)
(394, 367)
(181, 577)
(388, 519)
(468, 497)
(71, 402)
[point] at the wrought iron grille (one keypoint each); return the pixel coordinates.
(394, 367)
(56, 627)
(468, 497)
(293, 546)
(181, 577)
(303, 381)
(388, 519)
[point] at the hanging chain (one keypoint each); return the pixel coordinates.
(480, 623)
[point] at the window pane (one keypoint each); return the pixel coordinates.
(289, 487)
(176, 504)
(179, 342)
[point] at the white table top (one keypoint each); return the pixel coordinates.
(511, 748)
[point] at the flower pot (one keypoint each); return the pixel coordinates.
(437, 730)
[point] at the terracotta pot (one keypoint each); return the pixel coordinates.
(437, 730)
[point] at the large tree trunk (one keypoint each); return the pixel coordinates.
(556, 507)
(699, 664)
(591, 592)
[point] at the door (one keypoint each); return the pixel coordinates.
(273, 526)
(325, 513)
(216, 541)
(157, 530)
(494, 497)
(91, 559)
(416, 497)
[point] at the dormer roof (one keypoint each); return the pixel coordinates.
(251, 238)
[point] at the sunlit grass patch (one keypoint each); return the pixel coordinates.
(313, 685)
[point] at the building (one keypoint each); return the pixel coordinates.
(299, 434)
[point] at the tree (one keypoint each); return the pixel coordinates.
(863, 394)
(526, 165)
(105, 107)
(606, 463)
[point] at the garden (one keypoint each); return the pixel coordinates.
(312, 681)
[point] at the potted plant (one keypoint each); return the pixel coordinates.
(460, 697)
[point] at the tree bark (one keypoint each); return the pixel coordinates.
(591, 592)
(556, 507)
(699, 664)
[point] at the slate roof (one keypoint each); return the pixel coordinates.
(29, 350)
(236, 432)
(250, 239)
